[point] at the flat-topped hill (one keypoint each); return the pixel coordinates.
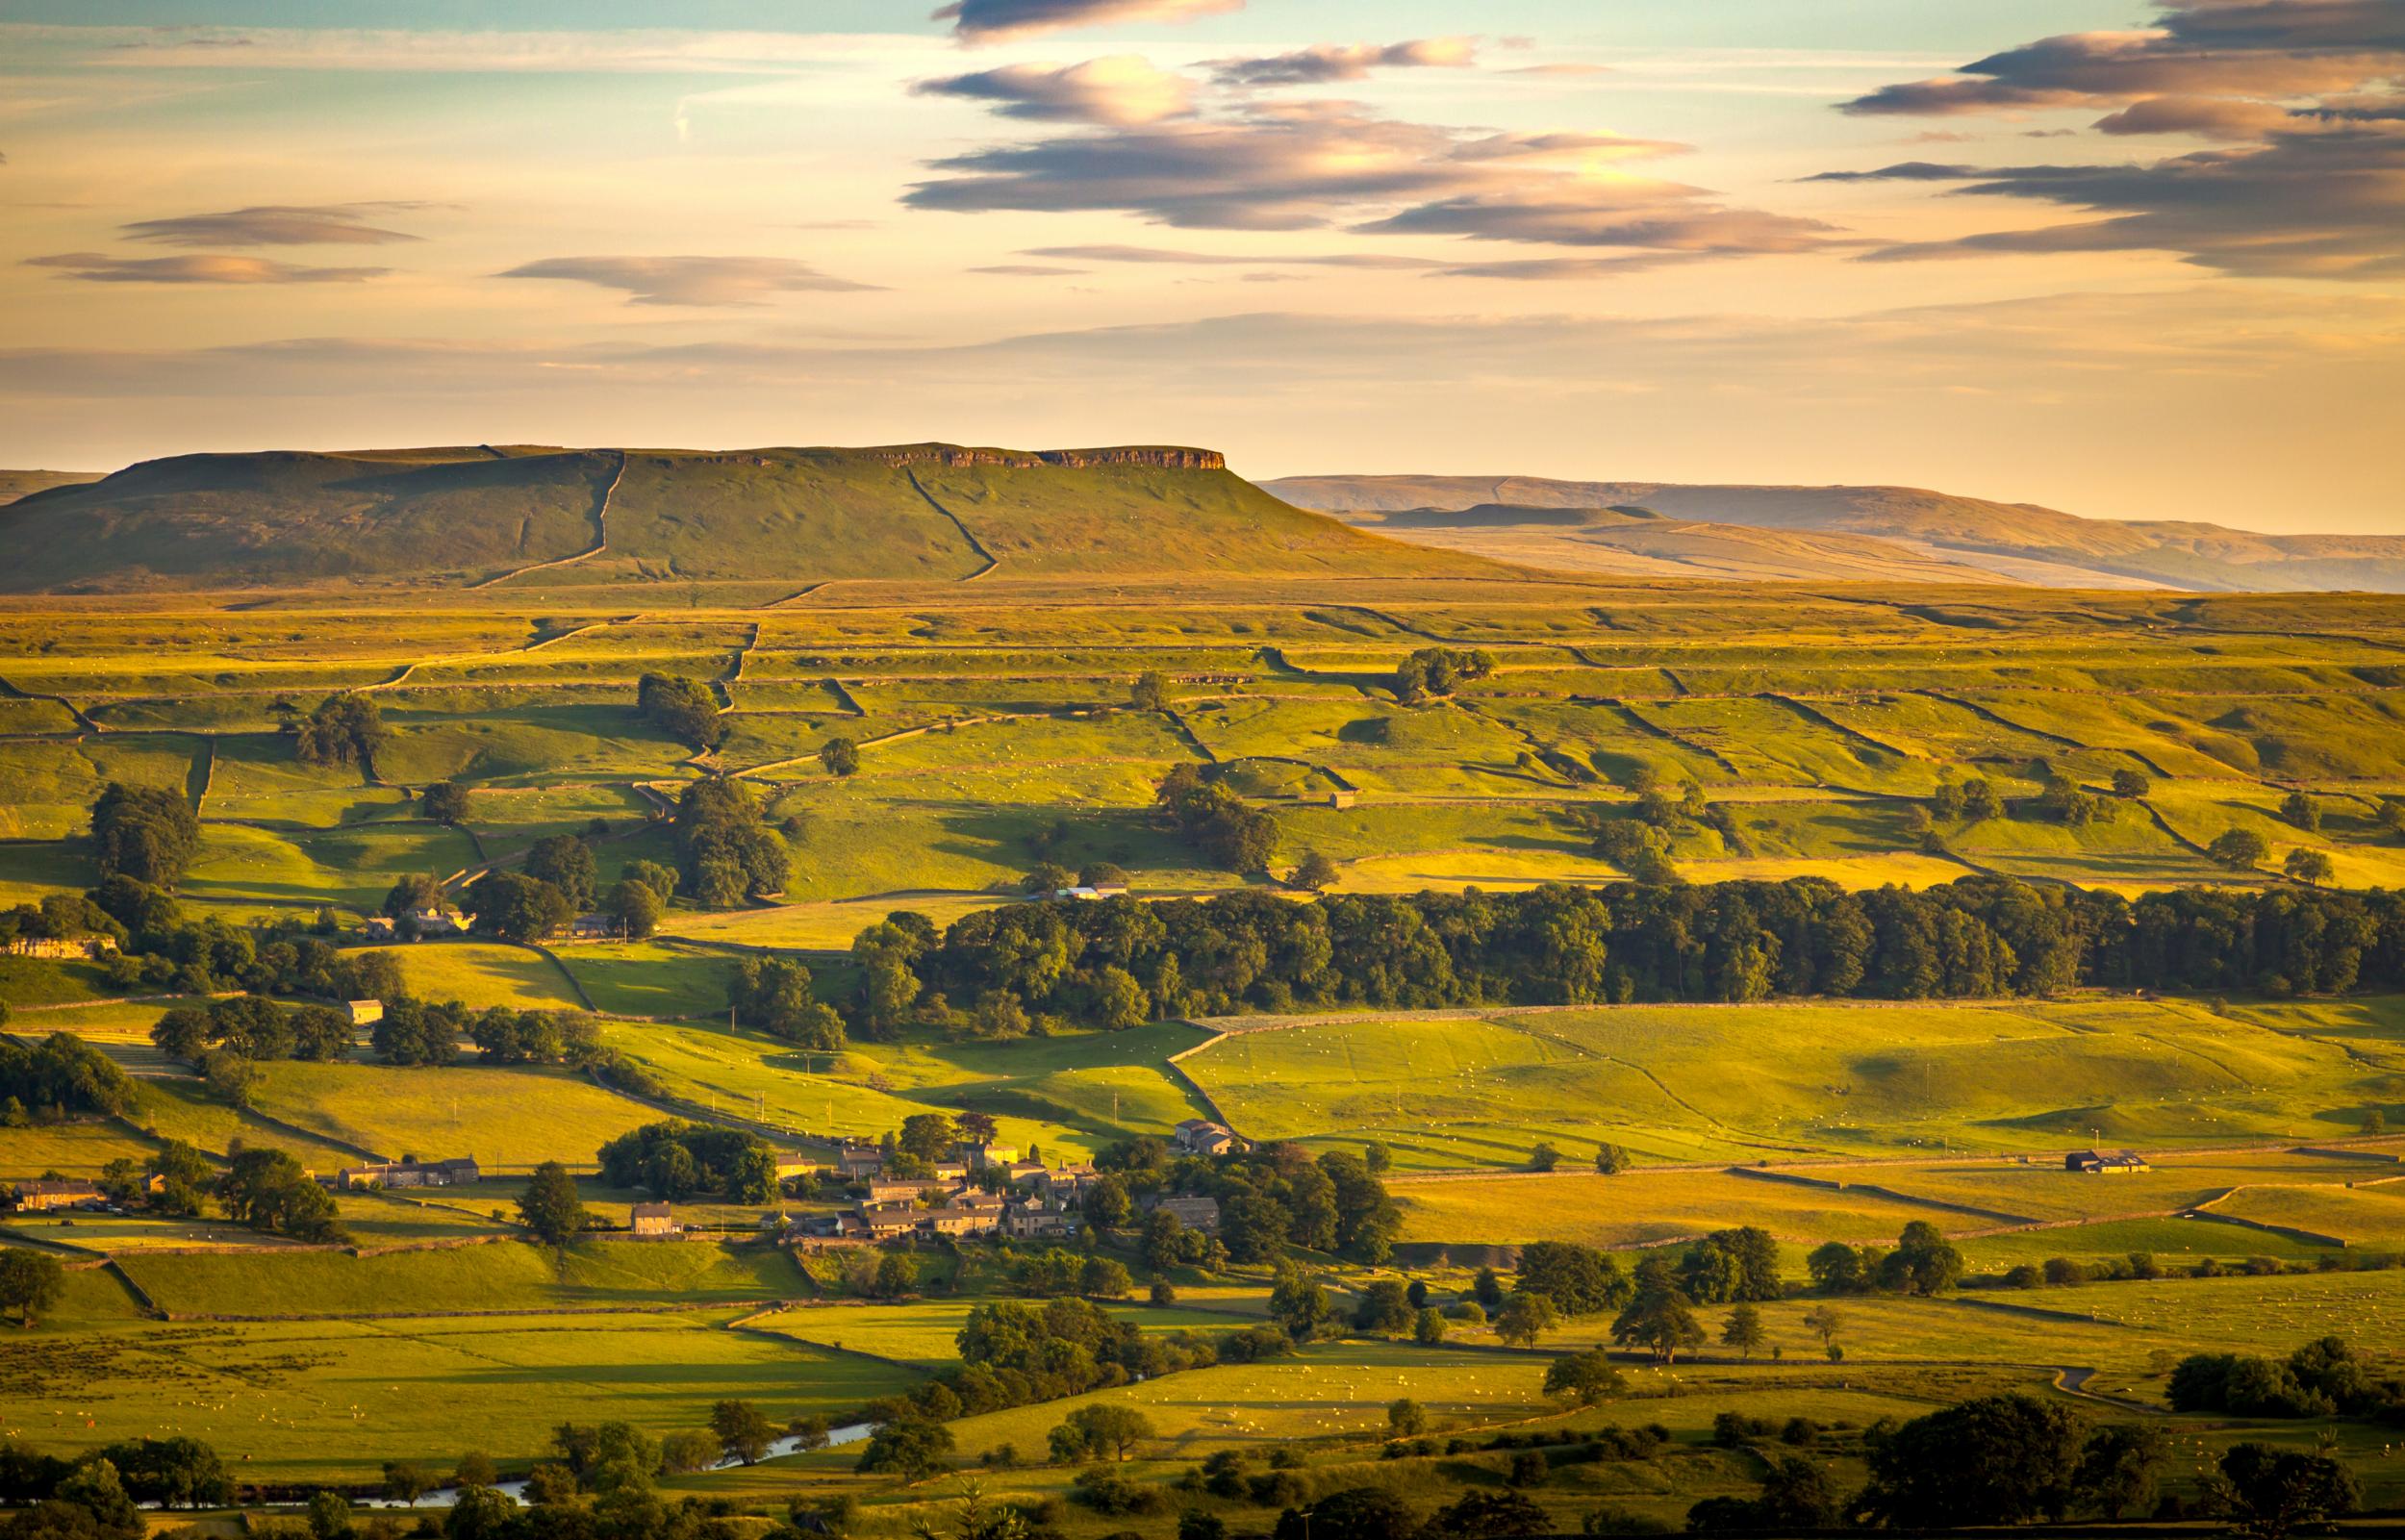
(517, 516)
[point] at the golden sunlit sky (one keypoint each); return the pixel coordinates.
(2129, 260)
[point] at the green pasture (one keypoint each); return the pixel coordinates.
(481, 974)
(505, 1118)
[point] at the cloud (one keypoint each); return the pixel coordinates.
(1309, 165)
(691, 280)
(1028, 269)
(2304, 98)
(1121, 91)
(1558, 270)
(1217, 258)
(1902, 171)
(979, 21)
(210, 268)
(1323, 62)
(273, 224)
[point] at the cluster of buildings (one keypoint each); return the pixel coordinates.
(2106, 1162)
(977, 1191)
(437, 924)
(461, 1172)
(62, 948)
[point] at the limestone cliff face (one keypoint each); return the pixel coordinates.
(1158, 456)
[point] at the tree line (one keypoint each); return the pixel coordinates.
(1117, 961)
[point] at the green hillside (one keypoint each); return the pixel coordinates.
(514, 516)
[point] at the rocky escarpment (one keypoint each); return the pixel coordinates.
(1161, 457)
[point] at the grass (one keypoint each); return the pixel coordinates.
(506, 1118)
(482, 973)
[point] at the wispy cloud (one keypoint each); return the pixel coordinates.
(1306, 165)
(1166, 255)
(274, 224)
(1323, 62)
(2307, 98)
(994, 21)
(210, 268)
(691, 280)
(1028, 269)
(1119, 91)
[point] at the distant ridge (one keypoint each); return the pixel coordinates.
(1912, 529)
(490, 519)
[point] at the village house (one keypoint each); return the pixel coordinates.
(906, 1188)
(1090, 892)
(2106, 1162)
(1039, 1221)
(592, 928)
(790, 1165)
(364, 1013)
(653, 1221)
(425, 923)
(461, 1172)
(47, 1198)
(60, 948)
(977, 1156)
(855, 1161)
(1021, 1170)
(1199, 1136)
(1194, 1213)
(379, 928)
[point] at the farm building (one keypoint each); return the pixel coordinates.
(1199, 1136)
(61, 948)
(2104, 1162)
(380, 928)
(44, 1197)
(978, 1155)
(1194, 1213)
(364, 1013)
(426, 922)
(1089, 892)
(654, 1220)
(461, 1172)
(855, 1161)
(592, 928)
(1340, 799)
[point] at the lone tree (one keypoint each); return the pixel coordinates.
(1315, 873)
(743, 1432)
(1611, 1160)
(1091, 1432)
(30, 1283)
(550, 1205)
(147, 833)
(840, 755)
(2238, 848)
(1150, 692)
(1525, 1318)
(2311, 867)
(1744, 1330)
(1660, 1321)
(445, 802)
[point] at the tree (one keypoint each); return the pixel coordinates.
(1524, 1318)
(1150, 692)
(516, 907)
(682, 708)
(911, 1447)
(266, 1190)
(1660, 1321)
(2270, 1492)
(1353, 1513)
(329, 1515)
(344, 729)
(2311, 867)
(841, 756)
(550, 1205)
(565, 863)
(1835, 1268)
(1489, 1516)
(406, 1481)
(150, 834)
(94, 1488)
(1825, 1321)
(445, 802)
(635, 906)
(30, 1282)
(475, 1468)
(173, 1473)
(1611, 1160)
(2118, 1467)
(1544, 1157)
(2238, 848)
(743, 1432)
(1092, 1432)
(1102, 1277)
(2302, 811)
(1998, 1459)
(1315, 873)
(1584, 1378)
(1923, 1263)
(1744, 1330)
(1428, 1326)
(1383, 1309)
(1405, 1419)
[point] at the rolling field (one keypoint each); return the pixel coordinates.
(506, 1118)
(1684, 1082)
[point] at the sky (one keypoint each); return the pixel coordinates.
(2129, 259)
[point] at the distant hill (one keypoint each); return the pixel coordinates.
(514, 515)
(1515, 517)
(16, 484)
